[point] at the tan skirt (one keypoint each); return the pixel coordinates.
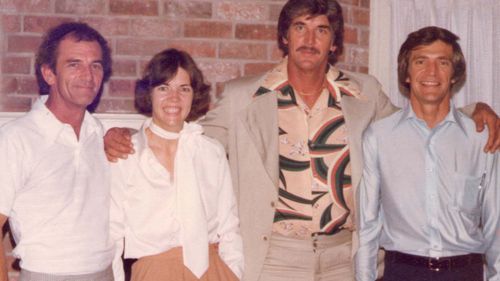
(168, 266)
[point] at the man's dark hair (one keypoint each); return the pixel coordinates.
(162, 68)
(427, 36)
(48, 50)
(330, 8)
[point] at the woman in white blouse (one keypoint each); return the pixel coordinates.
(173, 202)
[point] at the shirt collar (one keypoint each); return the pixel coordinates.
(51, 127)
(452, 117)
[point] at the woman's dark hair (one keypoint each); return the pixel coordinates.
(162, 68)
(330, 8)
(48, 49)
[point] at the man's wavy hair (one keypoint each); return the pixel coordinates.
(330, 8)
(162, 68)
(48, 50)
(426, 36)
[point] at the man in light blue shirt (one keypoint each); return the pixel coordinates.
(429, 194)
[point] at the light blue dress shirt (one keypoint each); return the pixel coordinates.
(427, 192)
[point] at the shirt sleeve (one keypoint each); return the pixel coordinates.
(117, 217)
(230, 243)
(491, 217)
(369, 215)
(11, 170)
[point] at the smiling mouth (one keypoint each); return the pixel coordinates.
(171, 110)
(430, 83)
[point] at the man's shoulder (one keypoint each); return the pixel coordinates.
(382, 126)
(22, 124)
(361, 78)
(248, 84)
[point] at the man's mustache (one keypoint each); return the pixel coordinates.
(308, 49)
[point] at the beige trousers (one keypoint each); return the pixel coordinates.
(323, 258)
(168, 266)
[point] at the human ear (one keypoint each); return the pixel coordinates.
(48, 74)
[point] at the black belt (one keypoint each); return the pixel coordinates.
(434, 264)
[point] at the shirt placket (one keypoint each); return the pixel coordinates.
(432, 196)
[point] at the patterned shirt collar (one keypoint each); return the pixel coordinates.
(338, 84)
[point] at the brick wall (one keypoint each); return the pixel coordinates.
(227, 38)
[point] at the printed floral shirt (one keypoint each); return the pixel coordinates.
(315, 194)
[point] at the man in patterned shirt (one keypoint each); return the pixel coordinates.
(293, 136)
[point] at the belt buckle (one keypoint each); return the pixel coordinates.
(437, 264)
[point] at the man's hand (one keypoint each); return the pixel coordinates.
(484, 114)
(3, 260)
(118, 144)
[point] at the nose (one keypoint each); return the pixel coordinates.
(87, 73)
(310, 37)
(432, 67)
(174, 94)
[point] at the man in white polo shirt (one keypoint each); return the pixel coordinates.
(54, 179)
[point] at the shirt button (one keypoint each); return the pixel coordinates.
(264, 237)
(273, 204)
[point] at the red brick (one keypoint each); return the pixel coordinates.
(131, 7)
(361, 16)
(116, 106)
(28, 85)
(11, 23)
(131, 46)
(14, 104)
(276, 53)
(241, 11)
(80, 7)
(243, 51)
(208, 29)
(350, 35)
(38, 6)
(349, 2)
(255, 68)
(365, 3)
(145, 27)
(42, 24)
(13, 65)
(363, 69)
(256, 31)
(108, 26)
(219, 71)
(195, 48)
(19, 85)
(188, 9)
(121, 88)
(357, 56)
(346, 67)
(219, 88)
(124, 67)
(364, 39)
(275, 11)
(23, 43)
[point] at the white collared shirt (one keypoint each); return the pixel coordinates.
(55, 190)
(143, 202)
